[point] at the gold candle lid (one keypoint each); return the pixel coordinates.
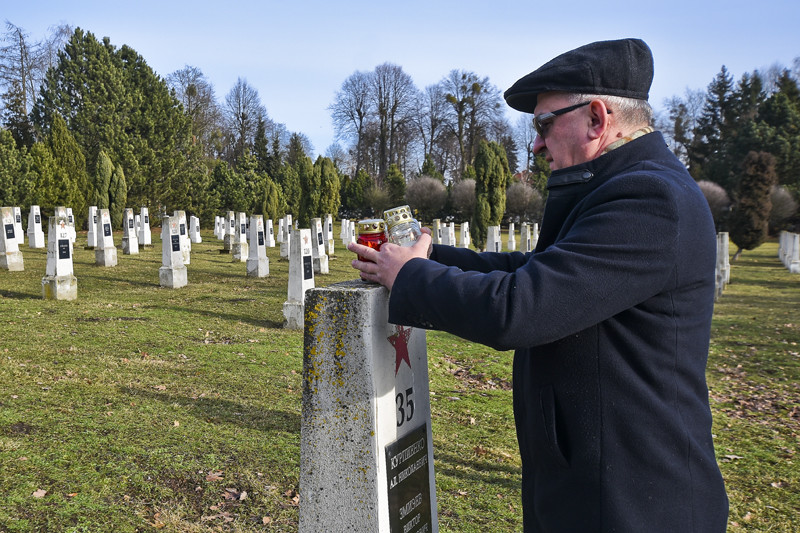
(397, 215)
(371, 225)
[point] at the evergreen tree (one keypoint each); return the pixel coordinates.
(15, 116)
(491, 181)
(289, 182)
(10, 165)
(429, 169)
(43, 179)
(330, 200)
(750, 217)
(272, 206)
(395, 185)
(710, 160)
(310, 191)
(228, 187)
(104, 168)
(117, 196)
(70, 169)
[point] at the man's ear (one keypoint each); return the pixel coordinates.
(599, 119)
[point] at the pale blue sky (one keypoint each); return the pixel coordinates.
(297, 53)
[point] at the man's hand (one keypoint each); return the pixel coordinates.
(382, 266)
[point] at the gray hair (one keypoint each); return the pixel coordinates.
(628, 112)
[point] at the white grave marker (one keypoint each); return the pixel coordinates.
(20, 232)
(71, 225)
(230, 233)
(239, 247)
(91, 223)
(270, 234)
(10, 256)
(436, 233)
(172, 274)
(329, 240)
(301, 278)
(257, 261)
(130, 241)
(105, 254)
(35, 232)
(286, 237)
(465, 238)
(194, 230)
(366, 452)
(183, 228)
(512, 238)
(493, 241)
(318, 247)
(145, 235)
(59, 282)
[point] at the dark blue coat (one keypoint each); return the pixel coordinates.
(610, 319)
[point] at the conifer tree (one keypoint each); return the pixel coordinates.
(10, 164)
(117, 196)
(491, 181)
(310, 191)
(395, 185)
(750, 217)
(330, 200)
(70, 175)
(104, 168)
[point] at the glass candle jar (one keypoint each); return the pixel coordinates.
(372, 233)
(401, 227)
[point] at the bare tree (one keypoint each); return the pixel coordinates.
(351, 112)
(19, 64)
(525, 135)
(474, 105)
(196, 94)
(463, 199)
(393, 95)
(243, 111)
(523, 203)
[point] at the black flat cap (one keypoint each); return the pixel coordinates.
(617, 68)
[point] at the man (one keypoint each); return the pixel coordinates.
(609, 316)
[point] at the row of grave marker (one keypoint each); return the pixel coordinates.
(789, 251)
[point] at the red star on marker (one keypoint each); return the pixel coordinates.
(400, 342)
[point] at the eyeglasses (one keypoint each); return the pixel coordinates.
(543, 122)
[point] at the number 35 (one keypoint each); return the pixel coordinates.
(405, 406)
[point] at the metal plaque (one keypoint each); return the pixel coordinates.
(409, 483)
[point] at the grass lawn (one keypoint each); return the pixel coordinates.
(138, 408)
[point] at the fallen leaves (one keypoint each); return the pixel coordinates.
(41, 493)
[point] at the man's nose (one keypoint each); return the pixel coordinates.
(538, 145)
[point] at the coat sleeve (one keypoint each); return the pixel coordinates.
(616, 249)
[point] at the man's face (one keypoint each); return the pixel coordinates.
(564, 143)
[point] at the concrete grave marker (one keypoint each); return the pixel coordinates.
(301, 278)
(366, 452)
(512, 238)
(257, 261)
(130, 241)
(493, 241)
(19, 231)
(344, 231)
(194, 230)
(230, 233)
(286, 237)
(270, 234)
(10, 256)
(183, 229)
(73, 235)
(464, 237)
(91, 224)
(145, 235)
(35, 232)
(172, 274)
(59, 282)
(436, 231)
(318, 247)
(329, 240)
(105, 254)
(239, 247)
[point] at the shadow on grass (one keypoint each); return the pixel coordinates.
(21, 295)
(221, 411)
(261, 322)
(476, 471)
